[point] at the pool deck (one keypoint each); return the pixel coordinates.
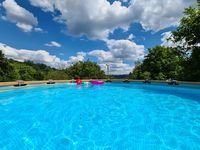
(68, 81)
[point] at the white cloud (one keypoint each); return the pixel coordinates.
(103, 56)
(39, 56)
(38, 30)
(93, 18)
(46, 5)
(120, 52)
(96, 19)
(53, 44)
(80, 56)
(131, 37)
(159, 14)
(23, 19)
(125, 49)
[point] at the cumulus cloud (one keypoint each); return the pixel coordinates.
(103, 56)
(125, 49)
(93, 18)
(39, 56)
(46, 5)
(53, 44)
(120, 52)
(96, 19)
(23, 19)
(159, 14)
(80, 56)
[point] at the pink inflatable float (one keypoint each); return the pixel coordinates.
(97, 82)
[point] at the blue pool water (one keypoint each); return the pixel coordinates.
(112, 116)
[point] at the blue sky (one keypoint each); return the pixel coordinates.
(60, 33)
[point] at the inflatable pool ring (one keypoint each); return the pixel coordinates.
(97, 82)
(78, 81)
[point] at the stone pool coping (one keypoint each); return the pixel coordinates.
(68, 81)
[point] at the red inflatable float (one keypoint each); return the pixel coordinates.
(78, 81)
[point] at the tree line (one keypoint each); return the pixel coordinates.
(181, 62)
(11, 70)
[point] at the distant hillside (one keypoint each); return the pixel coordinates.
(123, 76)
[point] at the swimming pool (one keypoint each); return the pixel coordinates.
(110, 116)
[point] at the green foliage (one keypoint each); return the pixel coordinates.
(57, 74)
(24, 71)
(146, 75)
(160, 63)
(188, 33)
(137, 72)
(6, 70)
(86, 70)
(163, 60)
(192, 66)
(198, 3)
(160, 76)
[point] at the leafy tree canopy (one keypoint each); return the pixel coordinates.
(6, 70)
(160, 63)
(188, 32)
(85, 70)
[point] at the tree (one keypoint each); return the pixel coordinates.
(163, 62)
(6, 70)
(85, 70)
(192, 66)
(160, 63)
(198, 3)
(57, 75)
(188, 33)
(137, 72)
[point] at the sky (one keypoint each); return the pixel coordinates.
(60, 33)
